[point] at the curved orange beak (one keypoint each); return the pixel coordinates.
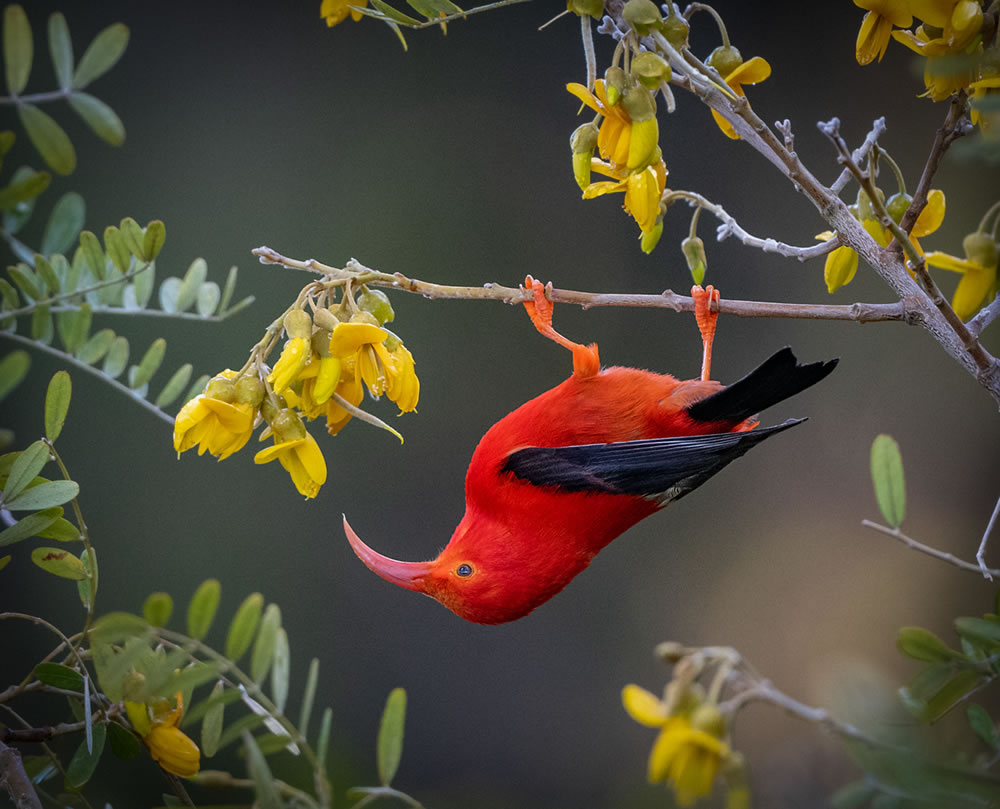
(410, 575)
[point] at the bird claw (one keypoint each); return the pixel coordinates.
(707, 321)
(586, 361)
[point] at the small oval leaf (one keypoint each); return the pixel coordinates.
(124, 743)
(389, 749)
(96, 347)
(99, 117)
(62, 530)
(263, 648)
(25, 469)
(201, 610)
(211, 726)
(887, 475)
(61, 49)
(101, 55)
(18, 48)
(51, 141)
(57, 404)
(59, 676)
(44, 495)
(87, 587)
(30, 526)
(169, 290)
(117, 357)
(281, 670)
(922, 644)
(150, 363)
(193, 279)
(157, 609)
(59, 563)
(13, 368)
(175, 387)
(244, 626)
(22, 190)
(65, 223)
(208, 299)
(153, 239)
(114, 246)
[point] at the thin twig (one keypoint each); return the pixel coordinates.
(984, 317)
(860, 155)
(981, 553)
(911, 543)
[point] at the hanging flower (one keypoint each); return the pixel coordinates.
(841, 264)
(642, 191)
(168, 745)
(752, 71)
(979, 273)
(877, 25)
(615, 133)
(336, 11)
(220, 420)
(988, 121)
(297, 451)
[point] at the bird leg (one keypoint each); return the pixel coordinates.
(586, 361)
(706, 318)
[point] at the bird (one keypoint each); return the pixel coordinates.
(556, 480)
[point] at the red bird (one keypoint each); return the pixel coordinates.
(556, 480)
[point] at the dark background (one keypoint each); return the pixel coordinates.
(254, 124)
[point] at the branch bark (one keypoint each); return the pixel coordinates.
(15, 780)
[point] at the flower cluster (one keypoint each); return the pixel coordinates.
(336, 11)
(949, 36)
(327, 361)
(157, 723)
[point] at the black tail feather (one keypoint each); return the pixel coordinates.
(777, 379)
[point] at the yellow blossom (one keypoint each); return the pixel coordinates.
(379, 359)
(752, 71)
(402, 385)
(298, 453)
(840, 266)
(294, 356)
(873, 37)
(988, 122)
(642, 190)
(979, 273)
(168, 745)
(615, 134)
(336, 11)
(214, 421)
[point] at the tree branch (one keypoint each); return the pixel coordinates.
(15, 780)
(911, 543)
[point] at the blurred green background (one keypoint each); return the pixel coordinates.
(254, 124)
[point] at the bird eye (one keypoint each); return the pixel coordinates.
(464, 570)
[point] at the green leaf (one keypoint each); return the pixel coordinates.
(41, 325)
(114, 246)
(265, 790)
(18, 48)
(187, 678)
(979, 631)
(169, 290)
(61, 49)
(149, 364)
(395, 14)
(96, 347)
(281, 670)
(29, 526)
(142, 283)
(308, 695)
(4, 561)
(228, 290)
(235, 730)
(117, 357)
(62, 530)
(27, 188)
(323, 738)
(57, 404)
(193, 279)
(74, 327)
(52, 143)
(59, 676)
(201, 610)
(25, 469)
(201, 709)
(175, 387)
(208, 298)
(124, 743)
(263, 648)
(389, 749)
(82, 765)
(26, 281)
(44, 495)
(87, 587)
(211, 727)
(954, 691)
(99, 117)
(59, 563)
(982, 723)
(244, 626)
(116, 627)
(46, 273)
(153, 239)
(101, 55)
(157, 609)
(432, 9)
(887, 475)
(93, 253)
(13, 368)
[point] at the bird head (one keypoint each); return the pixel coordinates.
(479, 586)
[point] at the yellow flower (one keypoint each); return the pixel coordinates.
(642, 189)
(351, 391)
(840, 266)
(402, 385)
(752, 71)
(336, 11)
(320, 378)
(298, 453)
(168, 745)
(958, 29)
(215, 420)
(615, 134)
(873, 38)
(988, 121)
(979, 273)
(685, 756)
(294, 356)
(380, 360)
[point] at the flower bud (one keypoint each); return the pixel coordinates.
(725, 59)
(897, 205)
(320, 343)
(642, 15)
(133, 685)
(675, 28)
(364, 317)
(670, 651)
(694, 253)
(325, 319)
(269, 410)
(616, 82)
(288, 426)
(584, 139)
(592, 8)
(222, 389)
(298, 324)
(377, 303)
(649, 69)
(980, 248)
(249, 390)
(709, 718)
(639, 104)
(651, 238)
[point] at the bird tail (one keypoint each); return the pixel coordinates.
(776, 379)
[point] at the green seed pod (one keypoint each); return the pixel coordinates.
(897, 205)
(288, 426)
(584, 139)
(980, 248)
(325, 319)
(649, 69)
(392, 342)
(298, 324)
(377, 303)
(694, 253)
(641, 15)
(639, 104)
(616, 83)
(222, 389)
(249, 390)
(725, 59)
(321, 342)
(675, 28)
(592, 8)
(651, 238)
(269, 410)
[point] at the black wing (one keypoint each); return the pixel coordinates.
(662, 469)
(776, 379)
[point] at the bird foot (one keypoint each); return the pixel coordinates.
(586, 361)
(706, 319)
